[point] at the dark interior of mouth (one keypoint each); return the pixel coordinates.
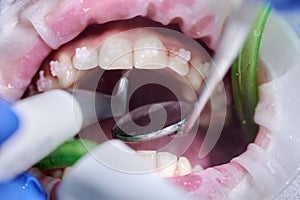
(230, 144)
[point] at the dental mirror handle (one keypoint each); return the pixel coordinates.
(231, 42)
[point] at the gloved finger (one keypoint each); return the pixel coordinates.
(283, 5)
(9, 121)
(25, 187)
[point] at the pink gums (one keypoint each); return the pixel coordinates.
(87, 12)
(212, 183)
(16, 75)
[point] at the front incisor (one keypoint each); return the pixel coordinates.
(116, 53)
(150, 53)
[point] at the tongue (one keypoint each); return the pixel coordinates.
(50, 24)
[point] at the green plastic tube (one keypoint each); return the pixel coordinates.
(245, 76)
(67, 154)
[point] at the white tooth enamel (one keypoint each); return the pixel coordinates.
(150, 156)
(179, 62)
(85, 58)
(120, 175)
(46, 83)
(197, 168)
(195, 79)
(183, 167)
(66, 171)
(166, 164)
(56, 68)
(116, 53)
(150, 53)
(64, 70)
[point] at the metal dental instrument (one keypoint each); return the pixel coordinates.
(231, 42)
(98, 106)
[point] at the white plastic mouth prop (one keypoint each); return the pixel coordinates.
(277, 113)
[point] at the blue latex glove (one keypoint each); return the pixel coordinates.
(285, 4)
(9, 121)
(24, 186)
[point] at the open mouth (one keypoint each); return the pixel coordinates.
(64, 51)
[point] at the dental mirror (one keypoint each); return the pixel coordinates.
(151, 121)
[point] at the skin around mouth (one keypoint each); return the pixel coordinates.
(59, 22)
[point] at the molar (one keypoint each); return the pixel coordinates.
(166, 164)
(116, 53)
(178, 61)
(64, 71)
(150, 53)
(85, 58)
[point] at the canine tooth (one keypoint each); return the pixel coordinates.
(116, 53)
(179, 62)
(183, 166)
(166, 164)
(85, 58)
(150, 53)
(195, 79)
(150, 156)
(64, 70)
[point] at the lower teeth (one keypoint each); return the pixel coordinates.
(167, 164)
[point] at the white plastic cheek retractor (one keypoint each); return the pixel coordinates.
(113, 171)
(46, 121)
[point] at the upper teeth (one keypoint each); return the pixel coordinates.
(85, 58)
(179, 62)
(64, 70)
(150, 53)
(147, 52)
(116, 53)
